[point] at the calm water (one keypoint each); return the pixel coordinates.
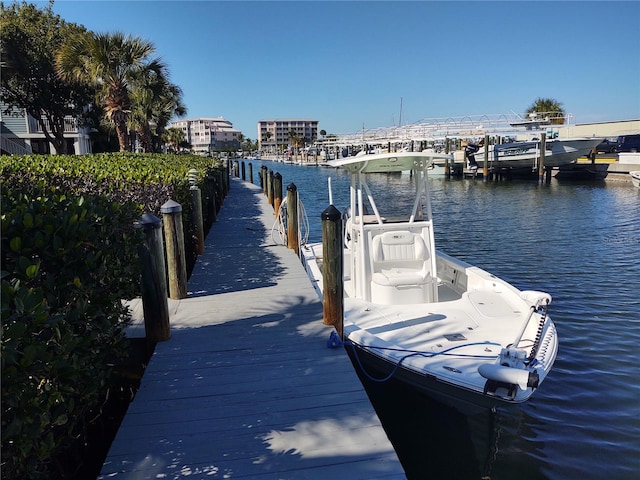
(579, 242)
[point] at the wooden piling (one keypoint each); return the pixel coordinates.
(212, 205)
(196, 217)
(277, 193)
(174, 242)
(447, 167)
(543, 152)
(292, 219)
(244, 171)
(154, 284)
(332, 268)
(485, 169)
(251, 172)
(263, 179)
(270, 187)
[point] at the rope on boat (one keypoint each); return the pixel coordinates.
(412, 353)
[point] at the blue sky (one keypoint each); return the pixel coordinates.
(349, 64)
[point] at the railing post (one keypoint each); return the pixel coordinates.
(277, 193)
(293, 234)
(154, 283)
(332, 268)
(174, 238)
(196, 210)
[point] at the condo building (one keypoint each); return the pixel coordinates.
(206, 135)
(22, 134)
(276, 135)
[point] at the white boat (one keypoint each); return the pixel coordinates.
(635, 178)
(445, 327)
(526, 155)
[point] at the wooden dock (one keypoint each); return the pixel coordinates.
(246, 387)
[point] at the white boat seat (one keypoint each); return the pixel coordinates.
(400, 258)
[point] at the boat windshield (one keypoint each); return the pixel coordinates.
(409, 203)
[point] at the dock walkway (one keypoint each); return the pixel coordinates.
(246, 387)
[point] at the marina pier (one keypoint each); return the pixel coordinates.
(247, 386)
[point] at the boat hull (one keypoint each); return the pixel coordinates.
(527, 155)
(467, 401)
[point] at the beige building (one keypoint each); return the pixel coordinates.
(603, 129)
(206, 135)
(275, 135)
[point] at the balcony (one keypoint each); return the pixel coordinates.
(70, 125)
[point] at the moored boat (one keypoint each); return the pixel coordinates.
(527, 155)
(441, 325)
(635, 178)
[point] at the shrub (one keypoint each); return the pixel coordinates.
(66, 264)
(68, 259)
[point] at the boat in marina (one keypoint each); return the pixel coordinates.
(411, 312)
(526, 155)
(635, 178)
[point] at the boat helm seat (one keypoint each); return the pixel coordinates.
(400, 266)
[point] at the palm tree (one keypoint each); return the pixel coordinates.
(550, 108)
(168, 105)
(174, 137)
(154, 101)
(113, 63)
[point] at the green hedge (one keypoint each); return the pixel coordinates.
(68, 259)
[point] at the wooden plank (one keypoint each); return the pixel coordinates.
(246, 386)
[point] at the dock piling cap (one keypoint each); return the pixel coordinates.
(171, 206)
(148, 221)
(331, 213)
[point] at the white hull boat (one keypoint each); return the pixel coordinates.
(526, 155)
(635, 178)
(443, 326)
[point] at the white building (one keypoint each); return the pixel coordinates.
(275, 135)
(206, 135)
(21, 134)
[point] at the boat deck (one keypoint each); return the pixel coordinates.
(246, 387)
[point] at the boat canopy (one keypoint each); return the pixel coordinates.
(389, 162)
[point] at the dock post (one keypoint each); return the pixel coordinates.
(447, 167)
(174, 238)
(332, 277)
(244, 171)
(543, 152)
(251, 172)
(212, 205)
(292, 219)
(270, 188)
(154, 283)
(265, 175)
(277, 193)
(196, 214)
(263, 180)
(485, 170)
